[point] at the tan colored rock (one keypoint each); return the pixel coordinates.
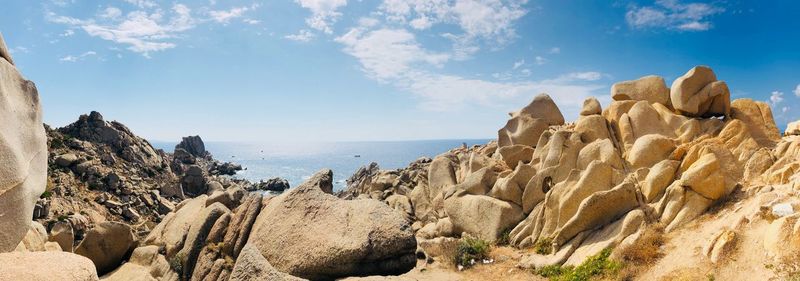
(757, 116)
(698, 94)
(514, 154)
(197, 236)
(478, 183)
(721, 245)
(657, 180)
(649, 150)
(590, 107)
(322, 179)
(705, 177)
(482, 216)
(792, 129)
(4, 53)
(600, 150)
(34, 240)
(512, 186)
(241, 224)
(62, 234)
(402, 204)
(331, 237)
(46, 266)
(597, 210)
(608, 236)
(145, 264)
(526, 125)
(651, 88)
(172, 230)
(782, 237)
(439, 246)
(592, 128)
(107, 244)
(23, 150)
(252, 266)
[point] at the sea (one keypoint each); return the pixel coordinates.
(296, 162)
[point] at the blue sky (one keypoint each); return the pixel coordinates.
(328, 70)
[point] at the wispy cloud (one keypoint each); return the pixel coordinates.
(301, 36)
(776, 98)
(797, 90)
(394, 56)
(19, 50)
(671, 14)
(323, 13)
(555, 50)
(71, 58)
(225, 16)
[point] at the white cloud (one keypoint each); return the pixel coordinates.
(225, 16)
(19, 50)
(555, 50)
(797, 90)
(395, 57)
(67, 33)
(488, 20)
(142, 3)
(540, 60)
(776, 98)
(518, 64)
(301, 36)
(387, 53)
(111, 13)
(71, 58)
(672, 14)
(251, 21)
(323, 13)
(142, 31)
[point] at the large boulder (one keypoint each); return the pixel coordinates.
(107, 244)
(793, 129)
(34, 240)
(252, 266)
(482, 216)
(649, 150)
(193, 145)
(698, 94)
(309, 233)
(526, 125)
(757, 115)
(650, 88)
(45, 266)
(63, 234)
(23, 152)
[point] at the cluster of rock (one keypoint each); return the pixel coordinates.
(657, 154)
(100, 171)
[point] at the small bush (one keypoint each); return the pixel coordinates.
(176, 263)
(647, 249)
(595, 266)
(471, 249)
(504, 238)
(46, 194)
(543, 246)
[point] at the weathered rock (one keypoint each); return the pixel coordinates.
(705, 177)
(62, 234)
(758, 117)
(590, 107)
(651, 88)
(66, 160)
(514, 154)
(526, 125)
(107, 244)
(194, 182)
(273, 184)
(792, 129)
(194, 145)
(199, 231)
(34, 239)
(172, 231)
(241, 224)
(332, 237)
(145, 264)
(698, 94)
(323, 180)
(45, 266)
(649, 150)
(657, 180)
(721, 245)
(252, 266)
(782, 237)
(23, 151)
(482, 216)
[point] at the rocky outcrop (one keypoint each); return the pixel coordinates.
(23, 152)
(194, 145)
(251, 265)
(273, 184)
(526, 125)
(653, 155)
(332, 237)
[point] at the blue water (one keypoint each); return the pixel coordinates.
(296, 162)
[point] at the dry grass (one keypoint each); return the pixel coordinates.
(647, 249)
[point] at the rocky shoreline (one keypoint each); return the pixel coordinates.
(613, 195)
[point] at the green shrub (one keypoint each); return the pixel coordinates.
(470, 249)
(543, 246)
(595, 266)
(504, 239)
(176, 263)
(46, 194)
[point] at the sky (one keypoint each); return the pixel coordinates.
(363, 70)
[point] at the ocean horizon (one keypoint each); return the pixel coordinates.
(296, 162)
